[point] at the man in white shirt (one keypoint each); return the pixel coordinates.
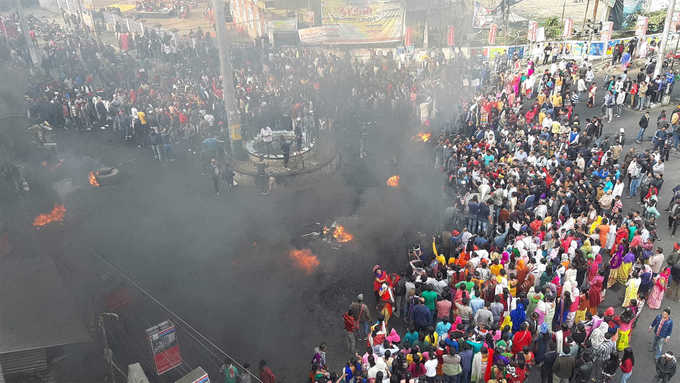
(267, 136)
(376, 364)
(431, 368)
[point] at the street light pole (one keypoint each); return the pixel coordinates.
(227, 74)
(664, 39)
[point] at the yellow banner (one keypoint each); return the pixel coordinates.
(363, 21)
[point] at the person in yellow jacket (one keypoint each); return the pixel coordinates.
(556, 100)
(540, 98)
(142, 117)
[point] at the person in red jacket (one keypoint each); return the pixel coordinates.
(266, 374)
(627, 363)
(351, 326)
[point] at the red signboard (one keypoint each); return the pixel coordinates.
(164, 347)
(492, 34)
(450, 36)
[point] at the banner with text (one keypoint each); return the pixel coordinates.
(362, 21)
(568, 27)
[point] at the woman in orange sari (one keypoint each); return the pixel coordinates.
(522, 271)
(603, 230)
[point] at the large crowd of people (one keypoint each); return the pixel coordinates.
(536, 233)
(164, 91)
(535, 237)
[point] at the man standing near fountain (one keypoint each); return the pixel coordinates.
(267, 136)
(285, 147)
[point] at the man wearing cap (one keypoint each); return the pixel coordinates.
(662, 327)
(362, 316)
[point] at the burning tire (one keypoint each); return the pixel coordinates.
(107, 176)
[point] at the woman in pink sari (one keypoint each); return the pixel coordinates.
(660, 283)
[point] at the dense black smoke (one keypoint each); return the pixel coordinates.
(222, 263)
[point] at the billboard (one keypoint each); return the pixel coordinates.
(482, 16)
(363, 21)
(164, 347)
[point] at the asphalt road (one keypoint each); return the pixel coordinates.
(221, 262)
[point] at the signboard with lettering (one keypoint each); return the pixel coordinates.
(363, 21)
(164, 347)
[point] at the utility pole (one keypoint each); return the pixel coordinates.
(227, 76)
(664, 39)
(94, 23)
(506, 16)
(585, 14)
(426, 32)
(35, 56)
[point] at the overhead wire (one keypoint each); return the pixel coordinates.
(177, 317)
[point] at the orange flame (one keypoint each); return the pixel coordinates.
(56, 215)
(340, 235)
(93, 179)
(393, 182)
(304, 259)
(424, 137)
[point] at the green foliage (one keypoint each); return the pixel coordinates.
(656, 21)
(553, 28)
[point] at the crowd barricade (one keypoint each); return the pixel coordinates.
(594, 50)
